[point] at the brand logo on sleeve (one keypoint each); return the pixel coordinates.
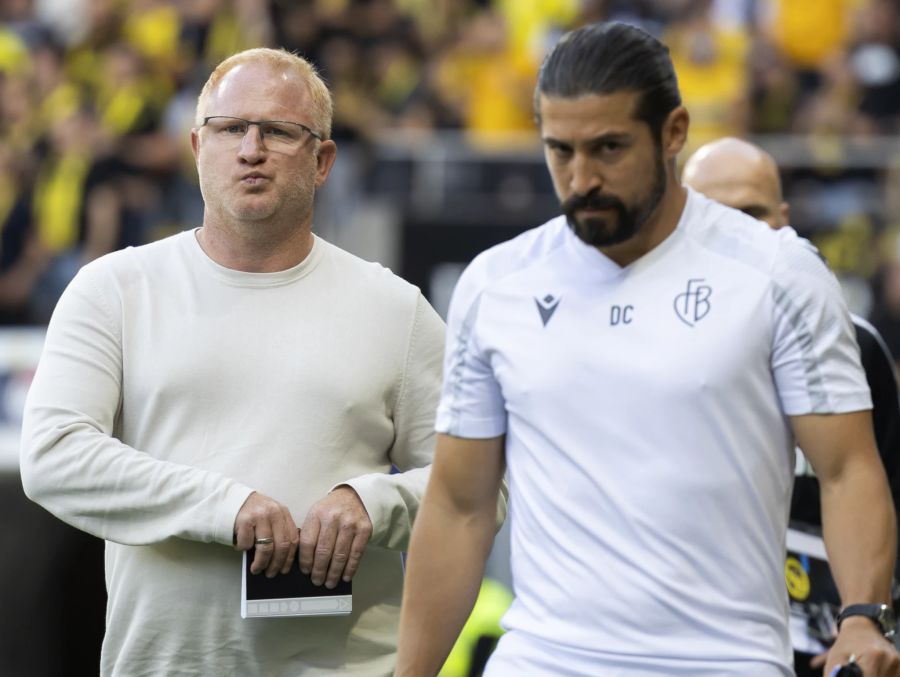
(546, 307)
(692, 305)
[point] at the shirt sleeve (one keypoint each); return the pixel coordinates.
(815, 357)
(392, 500)
(472, 403)
(70, 459)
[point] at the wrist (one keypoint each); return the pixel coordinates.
(879, 617)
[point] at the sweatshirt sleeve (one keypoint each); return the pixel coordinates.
(71, 461)
(392, 500)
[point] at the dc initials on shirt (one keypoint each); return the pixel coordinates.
(620, 315)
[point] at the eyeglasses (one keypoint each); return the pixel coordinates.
(274, 133)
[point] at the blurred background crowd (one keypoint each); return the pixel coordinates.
(97, 99)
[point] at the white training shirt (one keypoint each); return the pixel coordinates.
(650, 458)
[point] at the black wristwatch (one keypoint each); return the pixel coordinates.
(880, 614)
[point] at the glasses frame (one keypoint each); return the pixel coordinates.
(258, 123)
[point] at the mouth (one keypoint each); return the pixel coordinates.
(594, 211)
(254, 178)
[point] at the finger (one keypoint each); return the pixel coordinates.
(280, 546)
(244, 524)
(264, 548)
(309, 537)
(243, 537)
(356, 552)
(323, 553)
(292, 552)
(340, 556)
(286, 537)
(818, 661)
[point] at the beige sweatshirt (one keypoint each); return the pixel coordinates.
(170, 388)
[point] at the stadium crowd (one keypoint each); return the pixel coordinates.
(96, 100)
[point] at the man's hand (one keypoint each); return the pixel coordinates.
(334, 536)
(859, 638)
(264, 518)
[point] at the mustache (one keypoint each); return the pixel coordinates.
(592, 200)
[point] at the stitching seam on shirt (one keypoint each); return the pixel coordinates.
(793, 314)
(399, 399)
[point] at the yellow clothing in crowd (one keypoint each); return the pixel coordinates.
(808, 32)
(711, 66)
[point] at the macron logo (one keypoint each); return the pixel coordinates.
(546, 307)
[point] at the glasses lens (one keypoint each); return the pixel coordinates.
(281, 132)
(273, 133)
(229, 128)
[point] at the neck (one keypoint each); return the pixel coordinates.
(658, 227)
(253, 251)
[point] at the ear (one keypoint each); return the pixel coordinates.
(195, 143)
(785, 210)
(325, 157)
(675, 131)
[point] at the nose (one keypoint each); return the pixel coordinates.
(585, 175)
(252, 148)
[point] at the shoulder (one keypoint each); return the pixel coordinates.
(366, 281)
(507, 259)
(751, 243)
(137, 263)
(499, 265)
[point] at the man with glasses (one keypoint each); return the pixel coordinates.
(227, 385)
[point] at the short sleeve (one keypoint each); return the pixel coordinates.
(472, 404)
(815, 357)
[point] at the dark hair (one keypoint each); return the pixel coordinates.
(606, 58)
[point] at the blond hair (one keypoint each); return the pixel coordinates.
(322, 105)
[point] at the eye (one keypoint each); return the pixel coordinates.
(560, 152)
(275, 130)
(235, 128)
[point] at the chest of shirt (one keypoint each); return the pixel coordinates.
(207, 371)
(675, 327)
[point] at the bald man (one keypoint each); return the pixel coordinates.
(743, 176)
(740, 175)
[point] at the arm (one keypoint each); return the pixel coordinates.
(379, 507)
(858, 525)
(450, 542)
(392, 500)
(73, 464)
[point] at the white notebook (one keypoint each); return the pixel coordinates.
(290, 594)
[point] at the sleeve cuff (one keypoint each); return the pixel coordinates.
(231, 504)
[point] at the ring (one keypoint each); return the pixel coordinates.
(265, 541)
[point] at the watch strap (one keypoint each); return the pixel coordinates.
(880, 614)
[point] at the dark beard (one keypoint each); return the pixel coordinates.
(626, 222)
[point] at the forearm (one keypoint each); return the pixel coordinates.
(392, 502)
(860, 533)
(115, 492)
(71, 460)
(444, 572)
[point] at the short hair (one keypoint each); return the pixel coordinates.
(606, 58)
(322, 104)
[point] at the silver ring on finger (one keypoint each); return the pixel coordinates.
(266, 540)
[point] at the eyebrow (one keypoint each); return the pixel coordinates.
(620, 137)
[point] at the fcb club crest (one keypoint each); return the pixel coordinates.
(692, 305)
